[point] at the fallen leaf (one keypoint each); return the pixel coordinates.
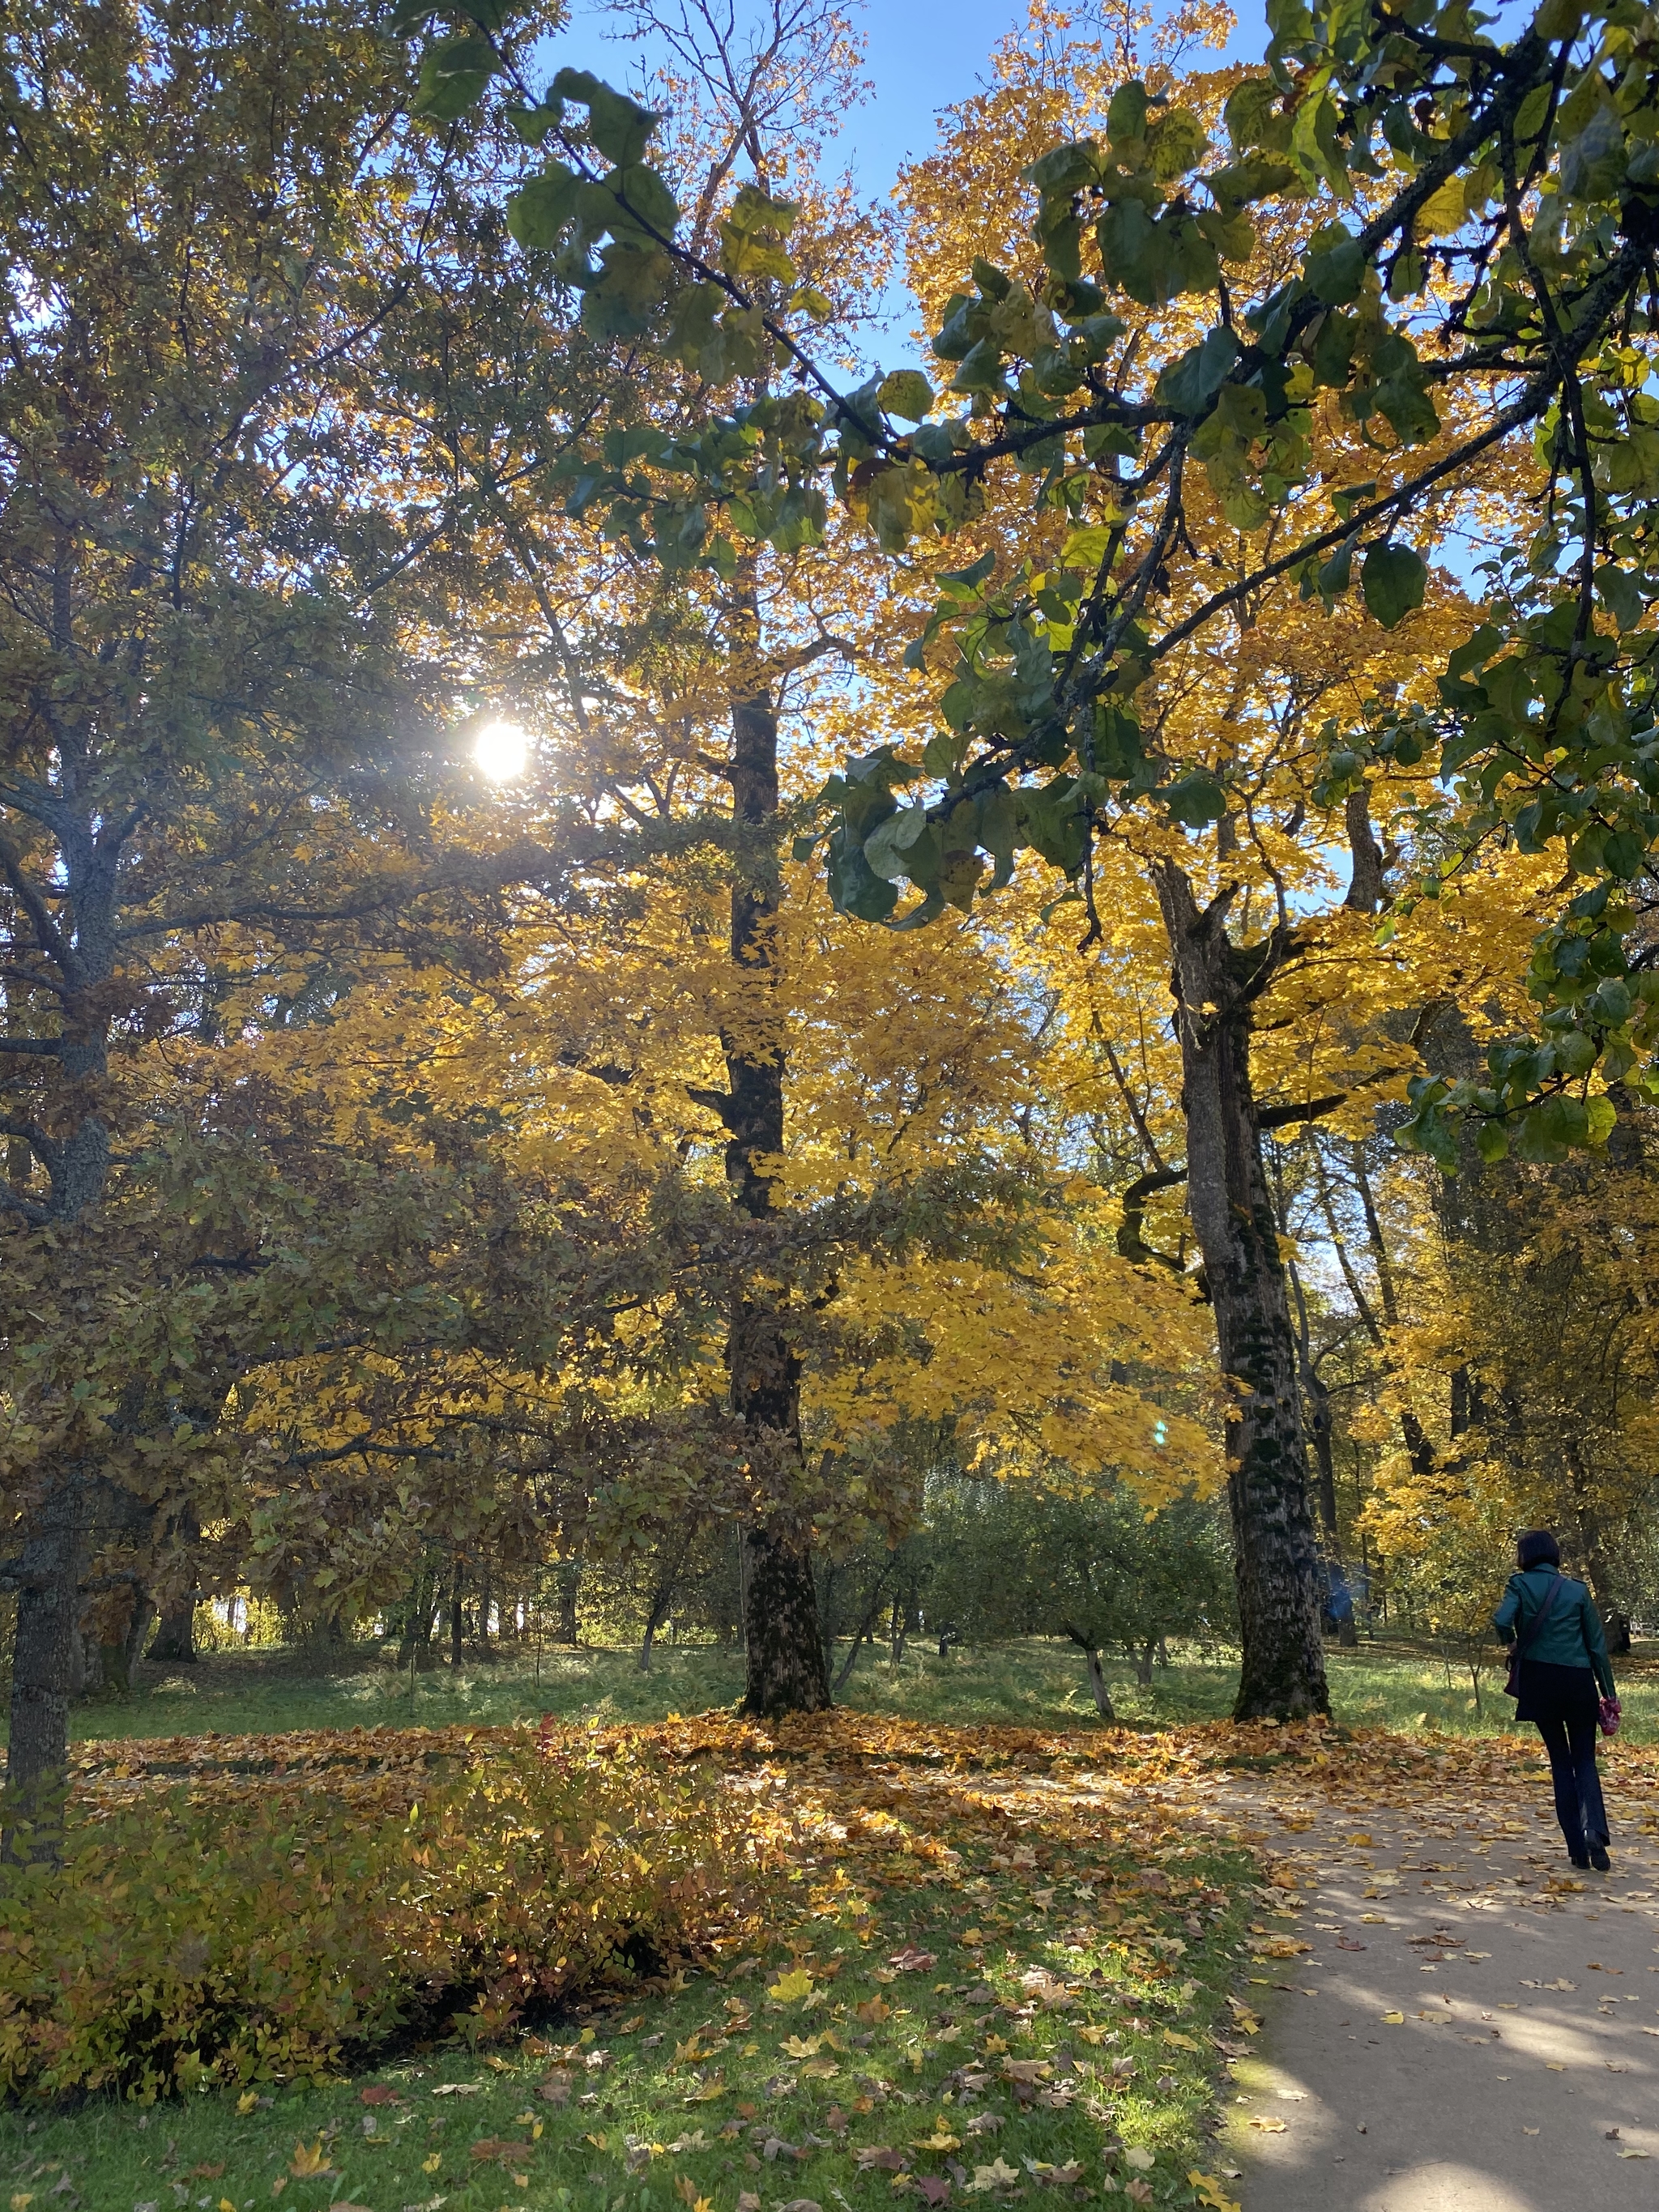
(1394, 2019)
(1269, 2127)
(458, 2089)
(377, 2093)
(910, 1960)
(307, 2164)
(997, 2175)
(790, 1988)
(1140, 2158)
(247, 2102)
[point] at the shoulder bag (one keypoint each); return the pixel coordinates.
(1520, 1647)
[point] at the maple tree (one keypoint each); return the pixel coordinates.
(1408, 283)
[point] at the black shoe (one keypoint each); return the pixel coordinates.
(1599, 1859)
(1581, 1860)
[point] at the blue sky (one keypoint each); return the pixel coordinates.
(924, 55)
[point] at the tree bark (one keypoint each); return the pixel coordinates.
(569, 1584)
(51, 1569)
(175, 1635)
(1103, 1696)
(786, 1670)
(1276, 1555)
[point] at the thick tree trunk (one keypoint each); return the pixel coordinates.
(1143, 1659)
(51, 1569)
(786, 1669)
(1276, 1554)
(175, 1637)
(786, 1672)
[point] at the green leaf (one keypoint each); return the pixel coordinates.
(1337, 271)
(1126, 116)
(1492, 1141)
(1190, 383)
(540, 212)
(454, 75)
(649, 201)
(1195, 798)
(1393, 580)
(631, 286)
(1175, 144)
(1623, 854)
(906, 393)
(1621, 595)
(618, 126)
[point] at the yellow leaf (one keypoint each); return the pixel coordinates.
(247, 2102)
(431, 2164)
(1181, 2042)
(1394, 2019)
(1269, 2127)
(22, 2200)
(1442, 211)
(789, 1989)
(1211, 2193)
(305, 2163)
(599, 2143)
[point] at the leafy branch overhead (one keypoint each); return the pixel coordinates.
(1405, 238)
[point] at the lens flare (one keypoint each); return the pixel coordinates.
(500, 749)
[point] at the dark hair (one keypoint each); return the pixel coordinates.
(1535, 1546)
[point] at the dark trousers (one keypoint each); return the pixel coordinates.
(1578, 1806)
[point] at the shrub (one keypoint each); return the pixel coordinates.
(250, 1909)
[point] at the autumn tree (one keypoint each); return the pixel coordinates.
(224, 794)
(1469, 295)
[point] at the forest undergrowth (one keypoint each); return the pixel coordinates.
(987, 1964)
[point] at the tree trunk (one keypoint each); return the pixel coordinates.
(176, 1638)
(896, 1632)
(786, 1670)
(1276, 1555)
(1103, 1696)
(570, 1577)
(1143, 1659)
(51, 1568)
(456, 1618)
(656, 1613)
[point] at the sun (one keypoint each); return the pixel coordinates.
(500, 749)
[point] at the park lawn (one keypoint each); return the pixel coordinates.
(1394, 1683)
(998, 1966)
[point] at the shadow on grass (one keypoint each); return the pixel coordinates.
(1032, 1683)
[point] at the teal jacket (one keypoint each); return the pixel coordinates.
(1572, 1637)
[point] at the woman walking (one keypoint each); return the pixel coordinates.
(1563, 1676)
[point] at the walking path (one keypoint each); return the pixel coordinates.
(1473, 2027)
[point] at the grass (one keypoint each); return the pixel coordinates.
(992, 1974)
(690, 2099)
(1394, 1683)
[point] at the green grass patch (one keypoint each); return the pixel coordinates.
(990, 1975)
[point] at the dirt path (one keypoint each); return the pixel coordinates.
(1473, 2027)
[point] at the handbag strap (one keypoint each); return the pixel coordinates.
(1539, 1617)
